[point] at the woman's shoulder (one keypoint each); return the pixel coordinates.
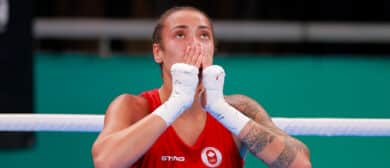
(128, 107)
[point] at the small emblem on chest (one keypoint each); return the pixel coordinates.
(211, 157)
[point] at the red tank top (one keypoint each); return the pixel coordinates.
(214, 147)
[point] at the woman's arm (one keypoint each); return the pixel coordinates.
(265, 140)
(123, 139)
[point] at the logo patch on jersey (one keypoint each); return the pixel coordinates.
(173, 158)
(211, 157)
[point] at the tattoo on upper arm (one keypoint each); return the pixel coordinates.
(248, 107)
(286, 157)
(257, 138)
(253, 110)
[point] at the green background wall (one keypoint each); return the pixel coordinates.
(294, 86)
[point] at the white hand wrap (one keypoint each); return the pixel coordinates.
(213, 81)
(184, 83)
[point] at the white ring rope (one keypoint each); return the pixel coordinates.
(293, 126)
(51, 122)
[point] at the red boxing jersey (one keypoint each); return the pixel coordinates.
(214, 147)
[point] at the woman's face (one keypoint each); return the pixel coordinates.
(186, 38)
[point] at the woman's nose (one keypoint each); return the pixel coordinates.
(193, 40)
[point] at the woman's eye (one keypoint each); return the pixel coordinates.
(179, 35)
(204, 36)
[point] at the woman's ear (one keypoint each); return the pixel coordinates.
(157, 55)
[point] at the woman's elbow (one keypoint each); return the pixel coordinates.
(102, 163)
(303, 164)
(303, 157)
(103, 157)
(100, 160)
(302, 161)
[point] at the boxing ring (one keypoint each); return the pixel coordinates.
(293, 126)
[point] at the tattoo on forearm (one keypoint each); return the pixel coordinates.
(287, 156)
(262, 131)
(256, 138)
(250, 109)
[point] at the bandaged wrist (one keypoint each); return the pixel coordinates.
(184, 83)
(231, 118)
(169, 111)
(228, 116)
